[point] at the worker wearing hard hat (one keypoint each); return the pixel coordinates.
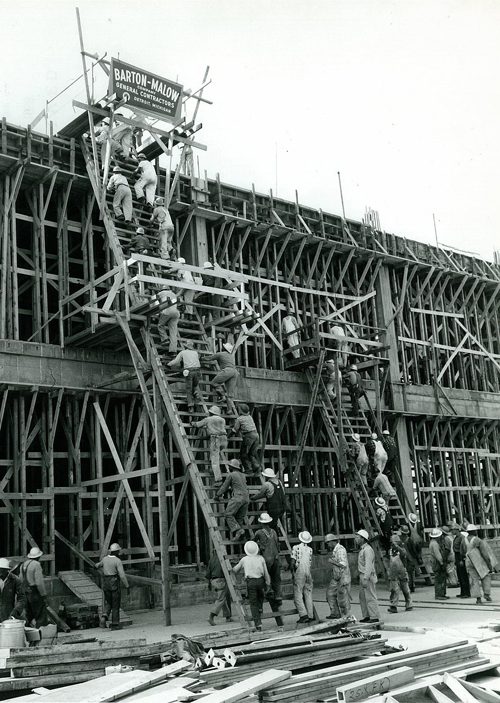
(122, 199)
(11, 592)
(145, 185)
(34, 588)
(367, 578)
(162, 217)
(113, 577)
(338, 592)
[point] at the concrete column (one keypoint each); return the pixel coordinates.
(195, 244)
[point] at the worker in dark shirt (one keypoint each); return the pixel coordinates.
(250, 440)
(227, 377)
(391, 448)
(353, 380)
(217, 583)
(113, 577)
(11, 592)
(33, 585)
(237, 506)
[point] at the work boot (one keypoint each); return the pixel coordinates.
(479, 601)
(115, 626)
(103, 621)
(392, 609)
(373, 620)
(332, 616)
(303, 618)
(488, 598)
(211, 619)
(409, 607)
(229, 619)
(365, 619)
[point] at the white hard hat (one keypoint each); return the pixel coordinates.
(180, 260)
(380, 502)
(115, 547)
(215, 410)
(436, 532)
(472, 528)
(330, 538)
(305, 537)
(412, 517)
(139, 230)
(356, 437)
(251, 548)
(386, 432)
(363, 534)
(207, 265)
(4, 563)
(265, 517)
(228, 347)
(269, 473)
(374, 435)
(159, 201)
(35, 553)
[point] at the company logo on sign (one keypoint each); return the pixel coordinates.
(145, 91)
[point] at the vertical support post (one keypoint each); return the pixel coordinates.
(162, 507)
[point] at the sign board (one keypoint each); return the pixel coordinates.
(145, 91)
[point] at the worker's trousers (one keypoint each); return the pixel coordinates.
(188, 297)
(218, 442)
(451, 573)
(222, 598)
(113, 146)
(112, 598)
(255, 591)
(397, 587)
(122, 202)
(463, 579)
(439, 580)
(36, 607)
(302, 594)
(354, 395)
(193, 387)
(236, 512)
(274, 594)
(226, 378)
(250, 451)
(126, 143)
(166, 234)
(338, 597)
(363, 473)
(145, 188)
(478, 586)
(368, 598)
(293, 340)
(167, 328)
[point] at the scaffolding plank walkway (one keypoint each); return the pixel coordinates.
(88, 591)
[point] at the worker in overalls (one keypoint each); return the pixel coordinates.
(113, 577)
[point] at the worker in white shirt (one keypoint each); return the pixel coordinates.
(257, 579)
(187, 293)
(168, 319)
(123, 134)
(303, 583)
(113, 577)
(189, 359)
(338, 592)
(145, 186)
(122, 199)
(102, 136)
(33, 586)
(289, 327)
(367, 579)
(161, 215)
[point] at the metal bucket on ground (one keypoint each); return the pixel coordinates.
(12, 634)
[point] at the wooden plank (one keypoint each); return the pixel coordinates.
(438, 696)
(454, 685)
(245, 688)
(482, 694)
(379, 683)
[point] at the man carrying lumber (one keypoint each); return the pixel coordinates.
(338, 592)
(217, 583)
(353, 381)
(215, 427)
(113, 577)
(398, 575)
(145, 185)
(162, 217)
(34, 589)
(343, 347)
(276, 501)
(189, 359)
(226, 379)
(357, 452)
(122, 198)
(267, 540)
(250, 440)
(460, 552)
(168, 319)
(480, 563)
(257, 579)
(439, 550)
(11, 592)
(237, 506)
(367, 579)
(303, 583)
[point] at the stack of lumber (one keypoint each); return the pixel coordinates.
(323, 684)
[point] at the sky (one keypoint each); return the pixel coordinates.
(401, 96)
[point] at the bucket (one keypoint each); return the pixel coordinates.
(12, 634)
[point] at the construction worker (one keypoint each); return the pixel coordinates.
(460, 552)
(123, 134)
(227, 377)
(250, 440)
(367, 579)
(237, 506)
(451, 571)
(398, 576)
(113, 577)
(276, 501)
(190, 361)
(217, 583)
(416, 537)
(480, 563)
(145, 185)
(339, 344)
(413, 555)
(379, 455)
(353, 380)
(385, 521)
(334, 379)
(187, 293)
(391, 449)
(101, 137)
(215, 427)
(268, 542)
(303, 583)
(165, 227)
(382, 485)
(122, 199)
(257, 579)
(357, 451)
(139, 242)
(439, 548)
(289, 327)
(168, 319)
(34, 590)
(338, 592)
(12, 598)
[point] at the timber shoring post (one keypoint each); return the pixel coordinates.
(162, 507)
